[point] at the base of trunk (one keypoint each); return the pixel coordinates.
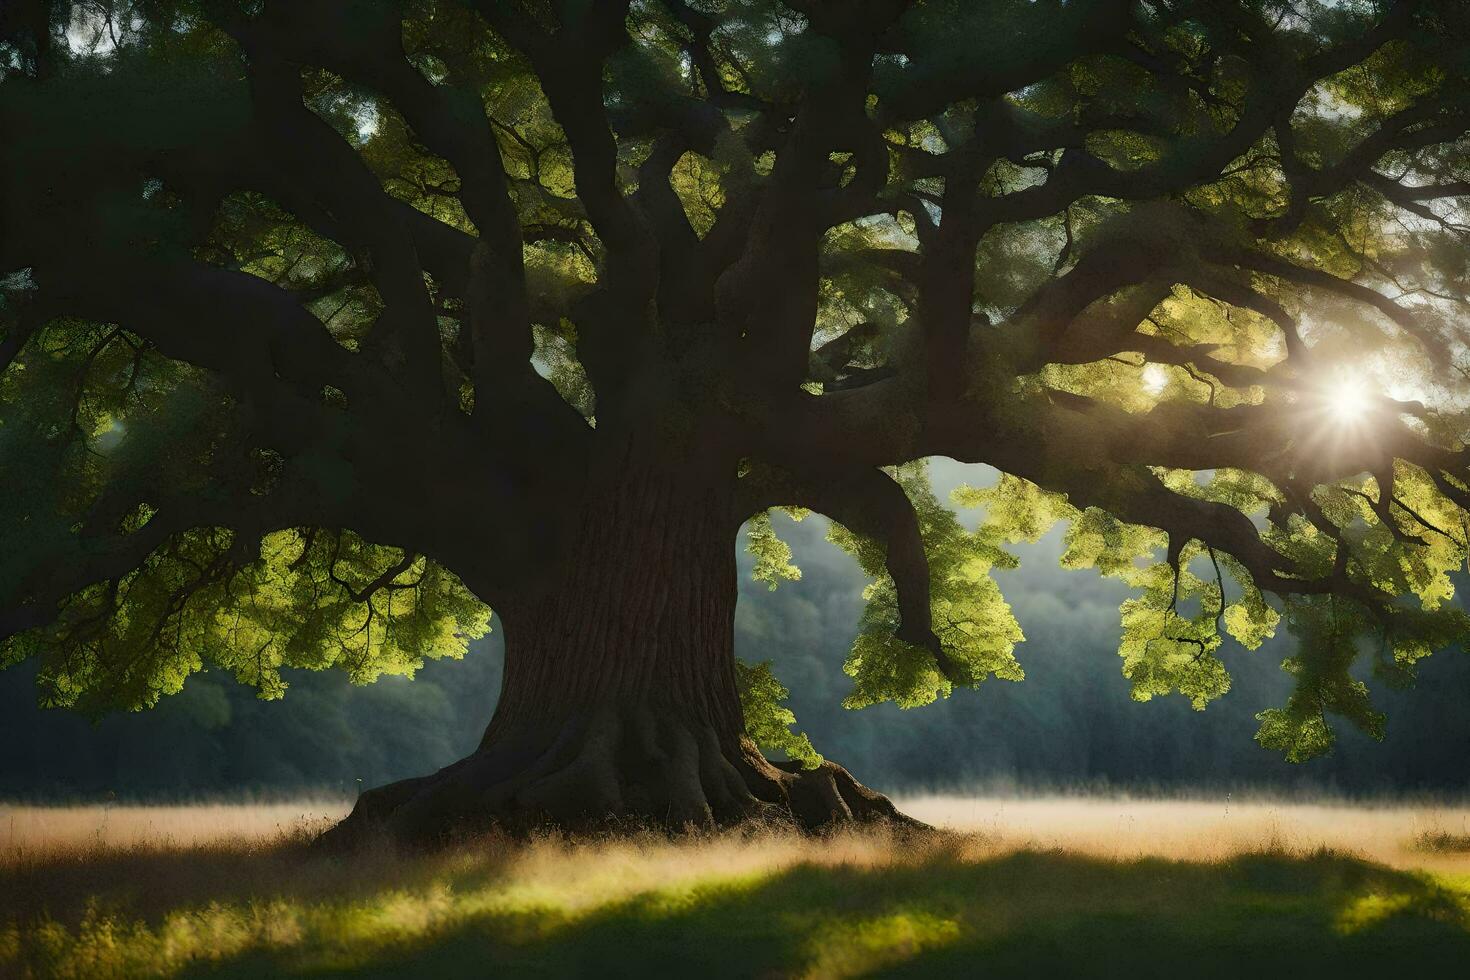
(631, 768)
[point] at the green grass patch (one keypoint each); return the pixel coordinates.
(724, 906)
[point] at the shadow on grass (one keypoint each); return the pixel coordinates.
(930, 911)
(1022, 915)
(149, 883)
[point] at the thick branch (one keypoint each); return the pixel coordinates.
(873, 505)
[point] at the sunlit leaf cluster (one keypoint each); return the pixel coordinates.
(971, 619)
(767, 720)
(205, 600)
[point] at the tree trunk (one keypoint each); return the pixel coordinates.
(619, 703)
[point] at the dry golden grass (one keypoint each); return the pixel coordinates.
(1209, 830)
(1398, 835)
(29, 833)
(1020, 885)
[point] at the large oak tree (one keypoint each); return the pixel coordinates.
(329, 326)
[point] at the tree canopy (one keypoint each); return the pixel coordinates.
(316, 314)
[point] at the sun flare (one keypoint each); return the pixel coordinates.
(1348, 400)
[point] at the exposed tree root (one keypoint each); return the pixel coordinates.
(628, 768)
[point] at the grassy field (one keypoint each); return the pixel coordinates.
(1030, 887)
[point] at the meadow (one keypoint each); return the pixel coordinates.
(1087, 886)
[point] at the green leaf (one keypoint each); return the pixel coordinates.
(767, 720)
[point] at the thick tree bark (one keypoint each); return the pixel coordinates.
(619, 703)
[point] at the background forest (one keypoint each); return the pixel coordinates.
(1070, 723)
